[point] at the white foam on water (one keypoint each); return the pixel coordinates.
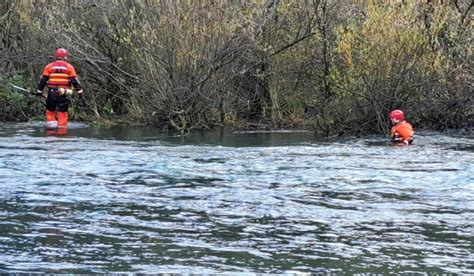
(51, 124)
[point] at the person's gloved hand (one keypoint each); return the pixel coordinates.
(79, 92)
(38, 93)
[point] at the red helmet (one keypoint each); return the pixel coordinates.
(397, 115)
(61, 53)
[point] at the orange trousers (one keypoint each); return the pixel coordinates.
(62, 117)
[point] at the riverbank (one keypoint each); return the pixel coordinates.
(264, 127)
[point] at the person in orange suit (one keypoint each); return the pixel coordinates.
(402, 131)
(59, 76)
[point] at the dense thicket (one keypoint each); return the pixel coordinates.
(333, 66)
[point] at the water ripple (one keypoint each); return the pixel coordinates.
(89, 204)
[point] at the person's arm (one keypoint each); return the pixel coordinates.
(73, 79)
(394, 137)
(43, 80)
(76, 84)
(41, 84)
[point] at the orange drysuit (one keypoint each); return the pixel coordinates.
(402, 133)
(57, 75)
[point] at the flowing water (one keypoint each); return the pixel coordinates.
(133, 200)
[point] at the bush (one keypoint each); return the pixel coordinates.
(17, 105)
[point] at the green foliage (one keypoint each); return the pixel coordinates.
(17, 105)
(388, 61)
(381, 62)
(338, 66)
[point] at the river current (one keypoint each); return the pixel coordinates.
(108, 200)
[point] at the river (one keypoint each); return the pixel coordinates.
(109, 200)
